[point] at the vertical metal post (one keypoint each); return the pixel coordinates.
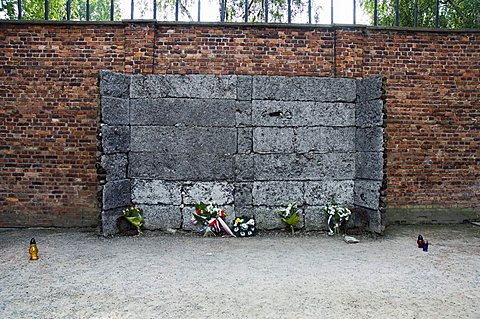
(222, 11)
(245, 17)
(198, 13)
(289, 11)
(88, 10)
(132, 4)
(331, 11)
(69, 10)
(375, 13)
(266, 11)
(47, 9)
(19, 7)
(310, 11)
(354, 12)
(176, 10)
(112, 8)
(415, 14)
(397, 13)
(154, 9)
(437, 14)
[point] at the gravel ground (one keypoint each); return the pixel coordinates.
(274, 275)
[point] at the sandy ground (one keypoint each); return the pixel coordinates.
(160, 275)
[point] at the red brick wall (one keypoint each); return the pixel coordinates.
(49, 102)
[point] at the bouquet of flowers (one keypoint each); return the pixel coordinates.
(244, 227)
(135, 216)
(290, 216)
(212, 218)
(337, 215)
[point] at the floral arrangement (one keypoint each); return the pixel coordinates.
(290, 216)
(337, 215)
(135, 216)
(212, 218)
(244, 227)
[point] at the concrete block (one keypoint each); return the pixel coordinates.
(273, 140)
(115, 139)
(277, 193)
(267, 217)
(319, 193)
(175, 140)
(367, 193)
(114, 84)
(369, 89)
(115, 166)
(369, 165)
(151, 85)
(325, 139)
(109, 221)
(161, 216)
(115, 111)
(303, 89)
(181, 167)
(156, 192)
(116, 194)
(243, 115)
(301, 113)
(184, 112)
(220, 192)
(244, 167)
(315, 218)
(243, 195)
(244, 140)
(369, 139)
(369, 114)
(375, 221)
(244, 87)
(203, 86)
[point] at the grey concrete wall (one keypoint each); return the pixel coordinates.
(251, 143)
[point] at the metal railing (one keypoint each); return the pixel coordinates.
(222, 10)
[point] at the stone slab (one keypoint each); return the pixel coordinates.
(184, 112)
(156, 192)
(267, 217)
(244, 87)
(243, 115)
(116, 194)
(369, 139)
(369, 114)
(109, 221)
(320, 192)
(114, 84)
(369, 89)
(174, 140)
(243, 195)
(315, 218)
(115, 111)
(277, 193)
(273, 140)
(299, 113)
(161, 216)
(244, 167)
(181, 167)
(304, 89)
(325, 139)
(220, 192)
(115, 166)
(367, 193)
(115, 139)
(244, 140)
(369, 165)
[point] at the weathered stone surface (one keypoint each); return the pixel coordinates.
(175, 140)
(114, 84)
(109, 221)
(325, 139)
(338, 166)
(243, 115)
(267, 217)
(369, 165)
(115, 110)
(244, 87)
(367, 193)
(273, 140)
(244, 140)
(369, 114)
(149, 86)
(369, 89)
(299, 113)
(320, 193)
(116, 194)
(181, 167)
(115, 139)
(375, 221)
(220, 192)
(244, 167)
(315, 218)
(369, 139)
(243, 195)
(277, 193)
(303, 89)
(184, 112)
(187, 217)
(115, 166)
(156, 192)
(161, 216)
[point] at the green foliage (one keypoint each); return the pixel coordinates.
(290, 216)
(452, 13)
(135, 216)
